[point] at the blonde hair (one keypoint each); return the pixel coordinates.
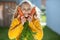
(38, 11)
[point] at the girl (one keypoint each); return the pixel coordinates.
(26, 23)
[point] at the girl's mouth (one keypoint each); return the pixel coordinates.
(26, 16)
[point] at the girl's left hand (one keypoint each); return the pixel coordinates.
(30, 18)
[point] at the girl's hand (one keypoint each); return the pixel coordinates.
(30, 18)
(23, 19)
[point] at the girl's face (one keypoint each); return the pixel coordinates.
(26, 9)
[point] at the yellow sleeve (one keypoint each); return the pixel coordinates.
(37, 24)
(15, 29)
(32, 26)
(36, 27)
(14, 23)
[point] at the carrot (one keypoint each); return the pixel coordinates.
(33, 11)
(20, 11)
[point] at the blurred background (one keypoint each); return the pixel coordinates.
(50, 17)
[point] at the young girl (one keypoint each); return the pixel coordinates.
(26, 24)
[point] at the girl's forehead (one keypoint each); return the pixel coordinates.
(26, 6)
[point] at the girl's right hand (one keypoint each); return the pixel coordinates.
(23, 20)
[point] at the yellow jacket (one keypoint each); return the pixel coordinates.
(16, 28)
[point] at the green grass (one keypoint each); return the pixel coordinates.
(48, 34)
(4, 33)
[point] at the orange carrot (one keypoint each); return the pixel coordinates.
(20, 11)
(33, 11)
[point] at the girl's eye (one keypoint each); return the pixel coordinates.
(23, 9)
